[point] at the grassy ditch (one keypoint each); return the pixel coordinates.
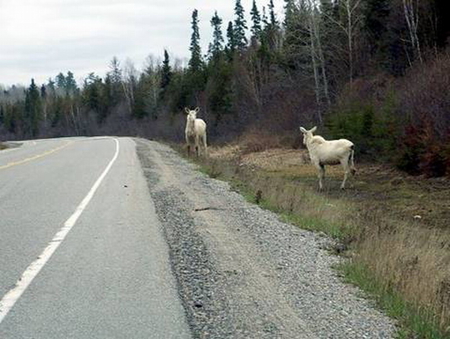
(393, 228)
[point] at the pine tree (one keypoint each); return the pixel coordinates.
(61, 81)
(273, 18)
(71, 84)
(166, 71)
(43, 92)
(33, 108)
(296, 33)
(231, 45)
(115, 72)
(51, 90)
(216, 47)
(114, 83)
(256, 19)
(264, 18)
(289, 10)
(239, 27)
(195, 63)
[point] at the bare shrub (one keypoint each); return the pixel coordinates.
(424, 103)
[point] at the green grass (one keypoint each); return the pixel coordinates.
(414, 322)
(340, 232)
(336, 231)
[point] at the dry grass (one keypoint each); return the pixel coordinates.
(394, 224)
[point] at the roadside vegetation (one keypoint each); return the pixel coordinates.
(392, 228)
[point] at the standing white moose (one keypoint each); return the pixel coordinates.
(195, 132)
(329, 152)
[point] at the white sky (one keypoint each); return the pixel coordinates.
(40, 38)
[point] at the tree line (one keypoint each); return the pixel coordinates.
(374, 71)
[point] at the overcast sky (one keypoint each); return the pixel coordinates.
(40, 38)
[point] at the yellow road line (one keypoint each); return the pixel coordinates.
(15, 163)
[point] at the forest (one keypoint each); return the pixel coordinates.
(373, 71)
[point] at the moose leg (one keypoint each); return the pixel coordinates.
(196, 146)
(205, 146)
(346, 172)
(321, 169)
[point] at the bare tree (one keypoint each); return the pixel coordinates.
(349, 24)
(129, 84)
(411, 12)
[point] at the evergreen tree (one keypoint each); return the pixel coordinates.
(51, 87)
(273, 18)
(166, 71)
(71, 84)
(61, 81)
(43, 92)
(264, 19)
(296, 35)
(239, 27)
(140, 96)
(256, 19)
(33, 108)
(92, 94)
(289, 10)
(231, 44)
(113, 83)
(195, 63)
(115, 72)
(215, 48)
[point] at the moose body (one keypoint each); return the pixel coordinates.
(329, 152)
(195, 132)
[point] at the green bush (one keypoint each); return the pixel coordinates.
(372, 132)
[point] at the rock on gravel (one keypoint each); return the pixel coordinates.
(241, 272)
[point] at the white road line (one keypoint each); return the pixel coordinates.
(11, 297)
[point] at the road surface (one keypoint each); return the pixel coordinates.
(82, 254)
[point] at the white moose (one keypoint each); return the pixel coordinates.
(329, 152)
(195, 132)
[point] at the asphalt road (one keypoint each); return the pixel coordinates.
(110, 276)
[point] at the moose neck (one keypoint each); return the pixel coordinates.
(309, 143)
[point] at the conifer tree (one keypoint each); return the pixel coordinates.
(273, 18)
(216, 47)
(71, 84)
(33, 109)
(256, 19)
(114, 83)
(240, 26)
(264, 18)
(61, 81)
(166, 71)
(195, 63)
(289, 16)
(43, 92)
(231, 45)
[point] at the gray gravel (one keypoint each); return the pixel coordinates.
(241, 272)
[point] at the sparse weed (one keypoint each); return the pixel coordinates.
(398, 258)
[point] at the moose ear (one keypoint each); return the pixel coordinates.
(187, 110)
(313, 129)
(197, 110)
(302, 130)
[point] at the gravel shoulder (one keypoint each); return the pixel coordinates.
(241, 272)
